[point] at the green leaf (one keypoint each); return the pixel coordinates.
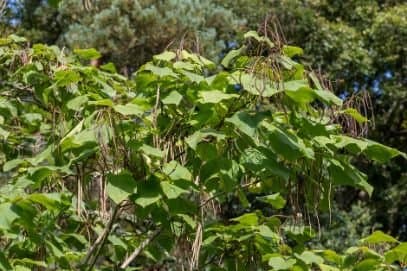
(378, 237)
(276, 200)
(8, 215)
(194, 139)
(30, 262)
(172, 191)
(66, 77)
(266, 232)
(255, 35)
(106, 88)
(197, 59)
(8, 106)
(193, 77)
(151, 151)
(87, 54)
(21, 268)
(76, 104)
(173, 98)
(12, 164)
(177, 172)
(109, 67)
(309, 257)
(257, 86)
(128, 109)
(31, 118)
(120, 186)
(102, 102)
(148, 192)
(160, 71)
(78, 140)
(4, 134)
(354, 114)
(325, 267)
(380, 152)
(367, 265)
(250, 219)
(4, 263)
(263, 162)
(279, 263)
(188, 219)
(399, 253)
(246, 122)
(51, 201)
(54, 3)
(315, 80)
(232, 54)
(295, 85)
(291, 51)
(165, 56)
(328, 97)
(351, 144)
(287, 144)
(54, 249)
(215, 96)
(302, 95)
(346, 174)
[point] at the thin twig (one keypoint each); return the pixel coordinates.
(140, 248)
(100, 241)
(221, 193)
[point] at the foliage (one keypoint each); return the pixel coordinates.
(361, 49)
(100, 170)
(130, 32)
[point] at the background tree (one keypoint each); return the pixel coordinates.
(359, 45)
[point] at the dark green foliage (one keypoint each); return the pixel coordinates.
(102, 172)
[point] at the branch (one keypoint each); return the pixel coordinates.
(100, 241)
(140, 248)
(223, 192)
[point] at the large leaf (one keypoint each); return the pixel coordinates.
(287, 144)
(173, 98)
(8, 215)
(215, 96)
(276, 200)
(129, 109)
(255, 35)
(354, 114)
(328, 97)
(4, 263)
(250, 219)
(87, 54)
(120, 186)
(256, 86)
(309, 257)
(232, 54)
(380, 152)
(246, 123)
(160, 71)
(399, 253)
(279, 263)
(165, 56)
(171, 190)
(177, 172)
(148, 192)
(263, 162)
(194, 139)
(77, 103)
(346, 174)
(378, 237)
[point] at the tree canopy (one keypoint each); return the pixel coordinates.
(181, 166)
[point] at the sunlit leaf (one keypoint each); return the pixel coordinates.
(120, 186)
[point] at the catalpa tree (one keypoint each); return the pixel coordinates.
(185, 166)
